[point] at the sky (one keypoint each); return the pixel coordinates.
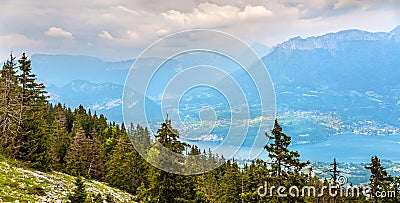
(116, 30)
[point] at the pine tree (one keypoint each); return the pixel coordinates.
(85, 157)
(36, 148)
(164, 186)
(125, 168)
(379, 179)
(200, 191)
(96, 158)
(79, 193)
(77, 155)
(229, 185)
(170, 185)
(168, 137)
(254, 175)
(34, 134)
(9, 107)
(279, 153)
(286, 165)
(61, 139)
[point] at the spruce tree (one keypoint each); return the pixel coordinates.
(126, 168)
(77, 155)
(34, 134)
(229, 184)
(9, 107)
(169, 137)
(79, 193)
(164, 186)
(61, 138)
(254, 174)
(96, 158)
(280, 154)
(379, 179)
(286, 165)
(85, 157)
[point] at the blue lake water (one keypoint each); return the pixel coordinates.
(351, 148)
(344, 147)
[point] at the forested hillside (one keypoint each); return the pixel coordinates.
(55, 138)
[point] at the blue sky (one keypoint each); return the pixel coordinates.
(121, 29)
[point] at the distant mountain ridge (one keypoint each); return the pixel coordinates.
(102, 98)
(335, 83)
(62, 69)
(332, 41)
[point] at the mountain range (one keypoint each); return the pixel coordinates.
(331, 84)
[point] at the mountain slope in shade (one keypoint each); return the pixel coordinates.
(261, 49)
(353, 74)
(100, 98)
(62, 69)
(103, 98)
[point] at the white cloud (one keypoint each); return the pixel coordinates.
(311, 9)
(105, 35)
(125, 9)
(17, 43)
(122, 29)
(162, 32)
(209, 14)
(254, 12)
(344, 4)
(58, 32)
(133, 35)
(126, 38)
(18, 40)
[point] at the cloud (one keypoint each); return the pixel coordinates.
(133, 35)
(105, 35)
(206, 14)
(122, 29)
(18, 40)
(126, 38)
(125, 9)
(17, 43)
(254, 12)
(58, 32)
(162, 32)
(346, 4)
(311, 9)
(328, 8)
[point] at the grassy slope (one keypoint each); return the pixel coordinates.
(26, 185)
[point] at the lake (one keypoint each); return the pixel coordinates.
(351, 148)
(343, 147)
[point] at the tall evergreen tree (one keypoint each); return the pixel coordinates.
(9, 107)
(61, 138)
(229, 185)
(280, 154)
(169, 137)
(79, 193)
(379, 179)
(85, 157)
(126, 168)
(164, 186)
(254, 175)
(286, 165)
(96, 158)
(77, 155)
(34, 134)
